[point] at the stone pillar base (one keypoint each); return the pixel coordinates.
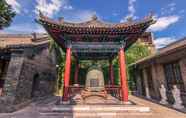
(163, 102)
(178, 106)
(66, 102)
(127, 103)
(148, 97)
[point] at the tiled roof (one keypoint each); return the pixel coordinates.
(95, 26)
(21, 40)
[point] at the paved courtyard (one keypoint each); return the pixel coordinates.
(157, 111)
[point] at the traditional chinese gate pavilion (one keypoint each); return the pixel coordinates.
(95, 40)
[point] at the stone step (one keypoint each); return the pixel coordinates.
(94, 109)
(94, 114)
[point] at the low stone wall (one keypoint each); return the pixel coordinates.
(7, 104)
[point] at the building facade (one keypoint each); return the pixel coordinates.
(166, 67)
(27, 69)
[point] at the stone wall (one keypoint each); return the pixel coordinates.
(31, 74)
(13, 73)
(7, 101)
(37, 77)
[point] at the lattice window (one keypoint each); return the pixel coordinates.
(173, 75)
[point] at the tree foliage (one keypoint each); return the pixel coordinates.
(60, 57)
(6, 14)
(136, 52)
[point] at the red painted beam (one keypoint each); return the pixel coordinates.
(123, 75)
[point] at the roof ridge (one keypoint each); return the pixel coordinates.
(14, 35)
(29, 35)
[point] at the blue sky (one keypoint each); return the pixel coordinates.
(170, 14)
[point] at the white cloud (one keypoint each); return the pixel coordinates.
(172, 4)
(164, 22)
(163, 41)
(15, 5)
(115, 14)
(169, 9)
(24, 28)
(72, 16)
(79, 15)
(68, 7)
(122, 20)
(131, 10)
(182, 11)
(49, 8)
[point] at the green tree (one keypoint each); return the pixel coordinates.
(6, 14)
(136, 52)
(60, 57)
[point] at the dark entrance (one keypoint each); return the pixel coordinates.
(4, 62)
(35, 85)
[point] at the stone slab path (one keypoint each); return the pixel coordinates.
(157, 111)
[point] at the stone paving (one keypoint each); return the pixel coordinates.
(157, 111)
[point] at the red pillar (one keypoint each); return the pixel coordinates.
(111, 73)
(123, 76)
(67, 74)
(76, 73)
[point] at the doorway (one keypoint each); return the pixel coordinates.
(35, 85)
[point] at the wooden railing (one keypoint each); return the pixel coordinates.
(114, 90)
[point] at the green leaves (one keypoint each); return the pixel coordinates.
(135, 52)
(6, 14)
